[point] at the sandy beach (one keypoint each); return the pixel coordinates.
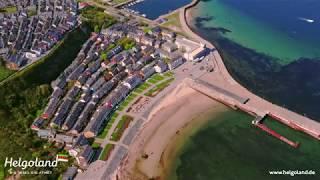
(178, 115)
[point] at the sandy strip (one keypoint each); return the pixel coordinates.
(178, 114)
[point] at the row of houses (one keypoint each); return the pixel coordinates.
(91, 87)
(77, 147)
(26, 36)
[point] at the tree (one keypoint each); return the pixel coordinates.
(96, 28)
(103, 56)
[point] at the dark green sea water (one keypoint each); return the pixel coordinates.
(231, 148)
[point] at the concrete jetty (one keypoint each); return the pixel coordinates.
(255, 106)
(225, 88)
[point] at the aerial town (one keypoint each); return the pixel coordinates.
(120, 91)
(32, 28)
(102, 76)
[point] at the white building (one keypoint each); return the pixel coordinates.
(192, 50)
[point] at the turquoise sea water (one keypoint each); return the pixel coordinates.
(287, 29)
(229, 147)
(272, 47)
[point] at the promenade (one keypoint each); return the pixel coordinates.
(218, 85)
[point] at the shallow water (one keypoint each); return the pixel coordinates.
(273, 53)
(293, 83)
(229, 147)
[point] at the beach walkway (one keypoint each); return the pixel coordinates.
(218, 85)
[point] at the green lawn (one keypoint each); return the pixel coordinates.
(106, 129)
(127, 43)
(119, 1)
(155, 78)
(142, 88)
(173, 20)
(106, 152)
(95, 145)
(127, 101)
(138, 91)
(9, 9)
(96, 18)
(32, 12)
(159, 87)
(147, 29)
(168, 74)
(121, 126)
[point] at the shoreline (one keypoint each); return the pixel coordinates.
(154, 139)
(174, 120)
(170, 156)
(256, 104)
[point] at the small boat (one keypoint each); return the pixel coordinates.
(307, 20)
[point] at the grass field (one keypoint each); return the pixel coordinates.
(9, 9)
(121, 126)
(95, 145)
(106, 129)
(168, 74)
(96, 18)
(106, 152)
(127, 101)
(159, 87)
(173, 20)
(142, 88)
(155, 78)
(119, 1)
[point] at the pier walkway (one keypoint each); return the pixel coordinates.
(255, 104)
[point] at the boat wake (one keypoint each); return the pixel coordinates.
(306, 20)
